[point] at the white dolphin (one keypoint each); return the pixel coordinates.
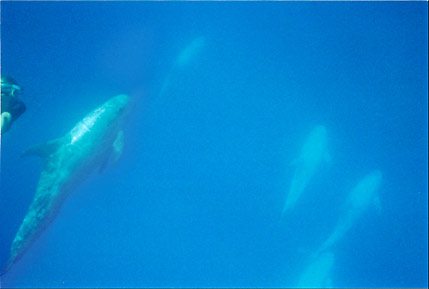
(68, 161)
(318, 273)
(313, 153)
(359, 199)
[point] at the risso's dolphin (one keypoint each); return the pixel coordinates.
(313, 153)
(68, 161)
(318, 273)
(359, 199)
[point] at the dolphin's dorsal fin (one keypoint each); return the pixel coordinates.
(118, 146)
(43, 150)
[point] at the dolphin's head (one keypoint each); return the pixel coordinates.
(318, 272)
(118, 108)
(374, 178)
(318, 136)
(319, 131)
(106, 119)
(365, 190)
(190, 51)
(376, 175)
(315, 144)
(118, 103)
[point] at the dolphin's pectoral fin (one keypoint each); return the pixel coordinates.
(118, 146)
(43, 150)
(377, 204)
(116, 150)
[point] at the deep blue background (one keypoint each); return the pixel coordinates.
(197, 197)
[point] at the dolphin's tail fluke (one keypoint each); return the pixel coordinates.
(5, 268)
(340, 230)
(3, 271)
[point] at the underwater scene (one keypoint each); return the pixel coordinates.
(214, 144)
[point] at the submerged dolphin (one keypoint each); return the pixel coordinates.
(68, 161)
(357, 202)
(313, 153)
(184, 59)
(190, 51)
(317, 274)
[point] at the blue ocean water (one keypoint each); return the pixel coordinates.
(226, 95)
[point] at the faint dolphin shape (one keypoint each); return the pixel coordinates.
(184, 59)
(318, 273)
(68, 161)
(359, 199)
(190, 51)
(313, 153)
